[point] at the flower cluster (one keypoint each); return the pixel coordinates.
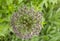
(26, 22)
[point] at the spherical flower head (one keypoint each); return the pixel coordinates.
(26, 22)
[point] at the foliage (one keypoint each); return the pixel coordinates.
(51, 19)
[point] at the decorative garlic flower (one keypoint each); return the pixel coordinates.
(26, 22)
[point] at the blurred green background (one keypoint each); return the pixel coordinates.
(51, 19)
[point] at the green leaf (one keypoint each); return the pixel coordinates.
(3, 29)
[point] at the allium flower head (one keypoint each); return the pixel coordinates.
(26, 22)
